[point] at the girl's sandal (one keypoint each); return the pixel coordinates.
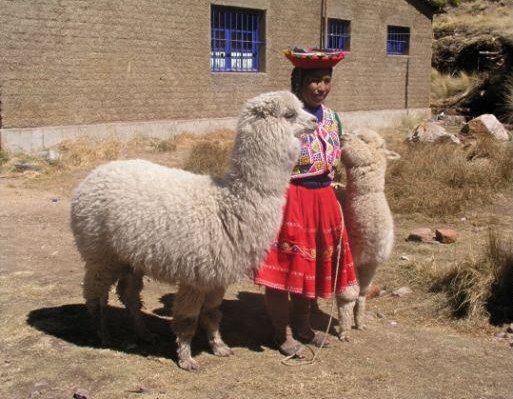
(292, 350)
(316, 340)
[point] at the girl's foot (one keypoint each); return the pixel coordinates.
(314, 338)
(291, 347)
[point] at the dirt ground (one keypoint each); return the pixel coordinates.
(48, 348)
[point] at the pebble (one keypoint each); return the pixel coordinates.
(380, 315)
(402, 292)
(393, 323)
(404, 257)
(80, 394)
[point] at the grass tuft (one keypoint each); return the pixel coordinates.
(478, 286)
(446, 87)
(209, 157)
(444, 180)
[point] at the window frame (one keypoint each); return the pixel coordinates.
(237, 39)
(344, 35)
(397, 37)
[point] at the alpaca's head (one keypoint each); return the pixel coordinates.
(365, 147)
(278, 107)
(268, 135)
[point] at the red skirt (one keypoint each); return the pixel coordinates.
(303, 258)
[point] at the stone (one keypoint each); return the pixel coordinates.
(431, 132)
(404, 257)
(380, 315)
(446, 236)
(22, 167)
(421, 234)
(402, 292)
(374, 291)
(80, 394)
(486, 125)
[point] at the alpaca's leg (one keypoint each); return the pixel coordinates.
(129, 289)
(210, 318)
(365, 275)
(186, 310)
(345, 317)
(97, 281)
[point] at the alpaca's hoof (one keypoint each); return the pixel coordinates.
(222, 350)
(343, 336)
(188, 364)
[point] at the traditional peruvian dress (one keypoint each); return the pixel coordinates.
(303, 258)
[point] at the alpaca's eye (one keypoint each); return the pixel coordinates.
(290, 115)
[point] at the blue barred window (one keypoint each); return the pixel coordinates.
(339, 34)
(236, 39)
(398, 40)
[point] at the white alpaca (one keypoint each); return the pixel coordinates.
(135, 218)
(367, 216)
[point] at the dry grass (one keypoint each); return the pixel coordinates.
(478, 16)
(209, 157)
(507, 98)
(470, 285)
(444, 180)
(446, 86)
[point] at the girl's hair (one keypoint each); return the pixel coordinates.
(298, 76)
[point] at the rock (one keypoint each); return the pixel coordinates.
(422, 234)
(446, 236)
(51, 155)
(380, 315)
(485, 125)
(451, 119)
(393, 323)
(374, 291)
(402, 292)
(431, 132)
(80, 394)
(22, 167)
(404, 257)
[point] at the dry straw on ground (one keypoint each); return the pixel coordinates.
(444, 180)
(447, 87)
(481, 284)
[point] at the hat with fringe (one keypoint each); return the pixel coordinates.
(313, 58)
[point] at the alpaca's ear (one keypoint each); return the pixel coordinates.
(392, 155)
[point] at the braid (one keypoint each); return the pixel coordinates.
(296, 78)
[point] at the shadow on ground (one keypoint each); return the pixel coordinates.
(245, 324)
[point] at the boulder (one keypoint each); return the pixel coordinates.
(431, 132)
(421, 234)
(486, 125)
(446, 236)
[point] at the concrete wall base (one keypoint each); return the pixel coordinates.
(38, 138)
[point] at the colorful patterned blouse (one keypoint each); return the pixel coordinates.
(320, 149)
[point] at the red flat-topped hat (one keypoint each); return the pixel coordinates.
(313, 58)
